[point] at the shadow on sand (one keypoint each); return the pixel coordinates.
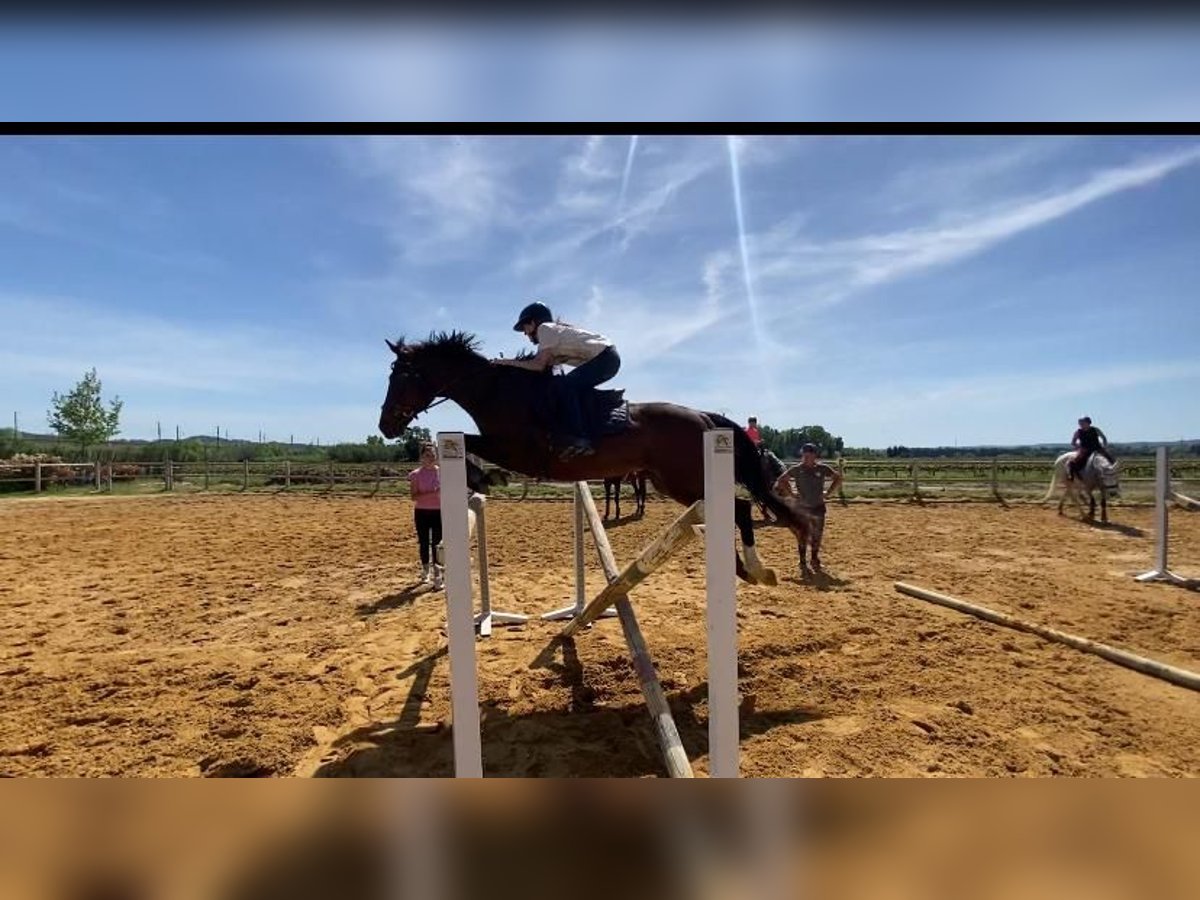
(403, 597)
(603, 741)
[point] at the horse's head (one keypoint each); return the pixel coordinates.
(421, 373)
(409, 392)
(1107, 473)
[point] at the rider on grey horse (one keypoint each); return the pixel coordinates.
(1088, 439)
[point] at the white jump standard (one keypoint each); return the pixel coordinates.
(1162, 493)
(460, 613)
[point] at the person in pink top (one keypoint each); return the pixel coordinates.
(425, 484)
(752, 430)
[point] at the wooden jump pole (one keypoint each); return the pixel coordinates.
(1141, 664)
(674, 754)
(1162, 490)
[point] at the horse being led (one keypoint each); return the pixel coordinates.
(505, 402)
(612, 490)
(1098, 475)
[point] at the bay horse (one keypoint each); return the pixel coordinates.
(612, 490)
(664, 439)
(1098, 475)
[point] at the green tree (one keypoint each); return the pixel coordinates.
(786, 443)
(80, 416)
(411, 441)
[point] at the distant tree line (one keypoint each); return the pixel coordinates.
(196, 449)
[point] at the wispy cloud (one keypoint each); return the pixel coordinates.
(443, 195)
(794, 270)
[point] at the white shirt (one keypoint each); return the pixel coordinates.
(570, 345)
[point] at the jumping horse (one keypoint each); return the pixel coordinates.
(505, 402)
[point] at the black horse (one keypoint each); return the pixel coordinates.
(612, 491)
(663, 439)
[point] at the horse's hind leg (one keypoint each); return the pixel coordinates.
(743, 517)
(686, 488)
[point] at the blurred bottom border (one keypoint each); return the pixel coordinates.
(639, 838)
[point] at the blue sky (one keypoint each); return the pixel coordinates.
(910, 290)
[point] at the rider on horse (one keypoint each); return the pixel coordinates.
(1088, 439)
(593, 356)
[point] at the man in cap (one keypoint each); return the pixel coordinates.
(809, 478)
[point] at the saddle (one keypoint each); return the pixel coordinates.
(604, 411)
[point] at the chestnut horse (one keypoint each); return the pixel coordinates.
(664, 439)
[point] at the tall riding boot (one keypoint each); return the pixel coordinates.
(577, 443)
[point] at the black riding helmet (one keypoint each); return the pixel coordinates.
(537, 313)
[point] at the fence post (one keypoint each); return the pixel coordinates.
(97, 471)
(110, 476)
(378, 480)
(842, 479)
(37, 477)
(206, 468)
(167, 474)
(995, 478)
(330, 488)
(245, 474)
(916, 487)
(287, 474)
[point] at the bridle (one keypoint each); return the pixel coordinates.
(409, 413)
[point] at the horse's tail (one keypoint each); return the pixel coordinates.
(748, 471)
(1054, 473)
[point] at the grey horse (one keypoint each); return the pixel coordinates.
(1097, 475)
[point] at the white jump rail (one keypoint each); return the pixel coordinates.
(487, 616)
(477, 528)
(724, 731)
(581, 522)
(1163, 493)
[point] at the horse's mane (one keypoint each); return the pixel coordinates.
(454, 347)
(443, 345)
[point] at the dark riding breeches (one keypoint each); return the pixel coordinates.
(597, 370)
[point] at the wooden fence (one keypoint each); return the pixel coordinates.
(995, 479)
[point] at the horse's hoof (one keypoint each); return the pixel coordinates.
(767, 577)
